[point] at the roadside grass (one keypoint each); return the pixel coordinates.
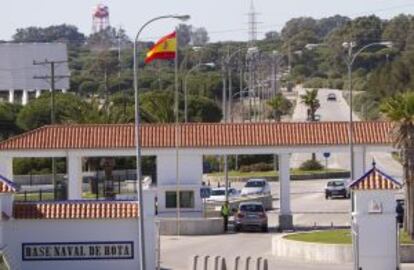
(334, 237)
(272, 173)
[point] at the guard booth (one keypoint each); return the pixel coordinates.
(374, 224)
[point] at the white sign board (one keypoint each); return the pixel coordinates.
(77, 251)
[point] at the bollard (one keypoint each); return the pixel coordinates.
(223, 264)
(206, 262)
(332, 225)
(258, 263)
(236, 263)
(216, 262)
(265, 264)
(195, 262)
(248, 263)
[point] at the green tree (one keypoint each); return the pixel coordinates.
(310, 99)
(400, 110)
(8, 115)
(280, 106)
(202, 109)
(55, 33)
(68, 109)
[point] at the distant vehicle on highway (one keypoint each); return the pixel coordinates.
(219, 194)
(256, 187)
(336, 188)
(250, 215)
(331, 97)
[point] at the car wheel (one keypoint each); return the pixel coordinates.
(326, 196)
(265, 228)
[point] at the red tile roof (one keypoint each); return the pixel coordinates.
(375, 180)
(75, 210)
(198, 135)
(6, 186)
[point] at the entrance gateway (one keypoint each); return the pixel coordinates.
(75, 142)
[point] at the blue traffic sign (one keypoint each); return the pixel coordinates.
(326, 155)
(205, 192)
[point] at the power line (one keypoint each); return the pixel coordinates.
(52, 78)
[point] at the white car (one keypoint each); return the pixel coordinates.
(256, 187)
(219, 194)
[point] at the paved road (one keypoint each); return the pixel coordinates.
(339, 111)
(308, 206)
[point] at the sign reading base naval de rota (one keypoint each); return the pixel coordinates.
(78, 251)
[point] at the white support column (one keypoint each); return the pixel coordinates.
(359, 162)
(285, 214)
(11, 96)
(6, 166)
(74, 170)
(25, 97)
(38, 93)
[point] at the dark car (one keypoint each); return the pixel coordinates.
(331, 97)
(336, 188)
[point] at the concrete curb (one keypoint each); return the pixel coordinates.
(192, 226)
(324, 253)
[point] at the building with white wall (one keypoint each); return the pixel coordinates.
(74, 142)
(68, 235)
(17, 71)
(374, 222)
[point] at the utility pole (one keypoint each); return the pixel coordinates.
(52, 79)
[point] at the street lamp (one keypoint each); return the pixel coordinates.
(212, 65)
(349, 60)
(141, 244)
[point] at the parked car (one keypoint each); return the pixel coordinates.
(336, 188)
(256, 187)
(219, 194)
(250, 215)
(331, 97)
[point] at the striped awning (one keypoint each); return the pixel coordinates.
(375, 179)
(6, 186)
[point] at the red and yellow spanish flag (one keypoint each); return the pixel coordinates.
(164, 49)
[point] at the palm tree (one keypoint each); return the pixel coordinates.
(310, 99)
(280, 106)
(400, 110)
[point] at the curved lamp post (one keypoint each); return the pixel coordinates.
(349, 60)
(185, 86)
(141, 244)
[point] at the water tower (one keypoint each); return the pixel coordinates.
(100, 18)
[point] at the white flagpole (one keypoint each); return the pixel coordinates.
(177, 135)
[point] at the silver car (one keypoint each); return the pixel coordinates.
(251, 215)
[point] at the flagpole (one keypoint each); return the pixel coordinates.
(177, 135)
(140, 201)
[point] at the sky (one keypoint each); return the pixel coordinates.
(223, 19)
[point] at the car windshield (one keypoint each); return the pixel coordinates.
(251, 208)
(218, 192)
(335, 184)
(255, 184)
